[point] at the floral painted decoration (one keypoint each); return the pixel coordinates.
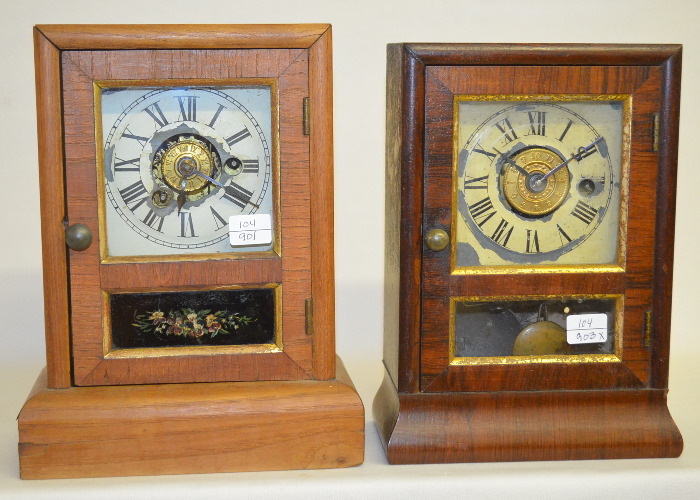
(198, 325)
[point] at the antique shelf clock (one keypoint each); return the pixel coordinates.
(529, 221)
(188, 273)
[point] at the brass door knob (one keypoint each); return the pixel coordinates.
(437, 240)
(78, 237)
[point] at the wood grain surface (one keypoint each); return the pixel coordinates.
(190, 428)
(404, 193)
(499, 426)
(52, 196)
(643, 83)
(70, 59)
(182, 36)
(90, 276)
(430, 410)
(274, 416)
(321, 193)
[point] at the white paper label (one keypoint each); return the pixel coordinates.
(247, 230)
(586, 328)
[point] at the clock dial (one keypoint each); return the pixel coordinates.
(178, 162)
(538, 182)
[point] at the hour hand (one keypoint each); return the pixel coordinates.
(512, 162)
(181, 196)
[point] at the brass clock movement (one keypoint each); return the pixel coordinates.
(186, 269)
(530, 211)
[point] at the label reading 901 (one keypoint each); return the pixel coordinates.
(245, 230)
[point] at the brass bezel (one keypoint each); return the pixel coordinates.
(555, 358)
(274, 159)
(626, 136)
(156, 352)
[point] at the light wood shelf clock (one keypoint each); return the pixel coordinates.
(529, 219)
(186, 180)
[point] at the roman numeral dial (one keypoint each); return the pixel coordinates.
(536, 179)
(180, 161)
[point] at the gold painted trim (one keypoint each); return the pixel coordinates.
(107, 325)
(541, 269)
(100, 168)
(626, 136)
(542, 97)
(273, 83)
(180, 82)
(626, 159)
(279, 338)
(108, 352)
(524, 360)
(161, 352)
(143, 259)
(616, 357)
(276, 165)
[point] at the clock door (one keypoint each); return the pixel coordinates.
(165, 152)
(538, 219)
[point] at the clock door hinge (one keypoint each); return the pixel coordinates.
(309, 313)
(655, 129)
(306, 119)
(647, 328)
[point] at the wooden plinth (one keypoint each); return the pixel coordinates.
(190, 428)
(519, 426)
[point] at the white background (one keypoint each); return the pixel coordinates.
(361, 30)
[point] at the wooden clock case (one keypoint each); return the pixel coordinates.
(429, 410)
(91, 415)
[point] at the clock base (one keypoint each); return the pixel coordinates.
(520, 426)
(190, 428)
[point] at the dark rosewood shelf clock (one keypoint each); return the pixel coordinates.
(529, 219)
(188, 277)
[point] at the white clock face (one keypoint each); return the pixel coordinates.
(178, 162)
(538, 182)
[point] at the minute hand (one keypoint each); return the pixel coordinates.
(227, 189)
(577, 157)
